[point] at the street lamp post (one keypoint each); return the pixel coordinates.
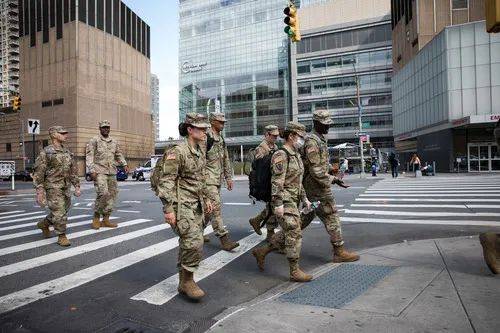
(360, 111)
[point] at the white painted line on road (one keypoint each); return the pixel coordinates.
(12, 212)
(128, 211)
(424, 200)
(132, 201)
(442, 188)
(164, 291)
(74, 251)
(90, 200)
(431, 194)
(77, 204)
(23, 219)
(427, 221)
(53, 287)
(90, 204)
(81, 208)
(32, 224)
(18, 215)
(427, 191)
(237, 203)
(411, 214)
(16, 195)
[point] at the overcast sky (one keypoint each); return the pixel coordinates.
(162, 16)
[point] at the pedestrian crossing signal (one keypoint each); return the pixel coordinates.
(292, 23)
(16, 103)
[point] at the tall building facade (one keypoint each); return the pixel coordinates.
(82, 61)
(235, 59)
(155, 104)
(9, 51)
(343, 40)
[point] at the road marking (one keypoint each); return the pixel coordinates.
(18, 215)
(129, 211)
(430, 199)
(53, 287)
(425, 206)
(35, 230)
(451, 187)
(237, 203)
(24, 219)
(411, 214)
(77, 204)
(90, 204)
(132, 201)
(164, 291)
(436, 222)
(427, 191)
(12, 212)
(81, 208)
(431, 194)
(74, 251)
(16, 195)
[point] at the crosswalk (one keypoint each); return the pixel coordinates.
(459, 200)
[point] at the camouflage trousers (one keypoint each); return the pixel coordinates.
(215, 217)
(327, 213)
(189, 228)
(59, 203)
(271, 223)
(289, 238)
(106, 188)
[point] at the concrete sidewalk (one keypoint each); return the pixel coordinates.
(423, 286)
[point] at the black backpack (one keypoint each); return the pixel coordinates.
(259, 179)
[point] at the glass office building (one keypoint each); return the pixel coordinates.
(234, 57)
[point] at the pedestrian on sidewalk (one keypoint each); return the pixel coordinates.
(394, 162)
(288, 193)
(415, 163)
(182, 190)
(54, 173)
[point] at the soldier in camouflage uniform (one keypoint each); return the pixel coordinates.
(318, 182)
(266, 147)
(55, 171)
(182, 190)
(490, 241)
(218, 170)
(287, 194)
(103, 155)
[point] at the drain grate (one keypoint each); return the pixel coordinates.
(339, 286)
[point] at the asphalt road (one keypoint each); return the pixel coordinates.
(102, 282)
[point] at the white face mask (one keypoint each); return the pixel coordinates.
(300, 143)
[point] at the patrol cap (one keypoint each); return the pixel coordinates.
(297, 128)
(57, 129)
(272, 129)
(104, 123)
(196, 120)
(219, 116)
(323, 116)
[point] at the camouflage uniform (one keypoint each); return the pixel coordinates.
(318, 182)
(218, 170)
(55, 171)
(288, 191)
(103, 155)
(182, 190)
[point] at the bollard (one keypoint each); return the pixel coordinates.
(433, 168)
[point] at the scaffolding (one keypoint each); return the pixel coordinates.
(9, 51)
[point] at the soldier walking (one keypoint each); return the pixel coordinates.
(287, 194)
(219, 169)
(318, 182)
(54, 173)
(266, 147)
(182, 190)
(103, 155)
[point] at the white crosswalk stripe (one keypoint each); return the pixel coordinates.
(12, 212)
(18, 215)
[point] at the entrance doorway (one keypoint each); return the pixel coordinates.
(483, 157)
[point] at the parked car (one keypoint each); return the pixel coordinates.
(24, 175)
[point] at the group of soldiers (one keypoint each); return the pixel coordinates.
(56, 171)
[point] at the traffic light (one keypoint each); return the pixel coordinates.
(292, 28)
(492, 15)
(16, 103)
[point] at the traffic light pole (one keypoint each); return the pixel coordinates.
(361, 148)
(34, 152)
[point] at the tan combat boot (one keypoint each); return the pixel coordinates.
(342, 255)
(63, 240)
(106, 223)
(95, 221)
(489, 242)
(296, 274)
(206, 239)
(227, 244)
(255, 223)
(188, 287)
(260, 255)
(44, 226)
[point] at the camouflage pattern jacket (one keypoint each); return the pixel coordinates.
(55, 168)
(218, 164)
(103, 155)
(286, 181)
(263, 149)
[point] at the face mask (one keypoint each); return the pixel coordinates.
(300, 143)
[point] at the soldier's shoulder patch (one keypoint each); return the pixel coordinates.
(312, 149)
(278, 157)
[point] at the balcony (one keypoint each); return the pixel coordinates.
(14, 52)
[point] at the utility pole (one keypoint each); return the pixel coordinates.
(360, 111)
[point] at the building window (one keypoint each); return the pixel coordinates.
(32, 23)
(38, 15)
(21, 18)
(72, 10)
(116, 18)
(100, 14)
(304, 88)
(303, 68)
(59, 101)
(134, 30)
(128, 26)
(8, 147)
(59, 19)
(26, 17)
(460, 4)
(46, 104)
(66, 11)
(91, 18)
(122, 22)
(45, 21)
(82, 11)
(108, 16)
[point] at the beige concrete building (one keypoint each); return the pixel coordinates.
(82, 61)
(416, 22)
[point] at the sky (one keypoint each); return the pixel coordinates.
(162, 16)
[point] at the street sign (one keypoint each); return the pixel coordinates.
(8, 168)
(367, 125)
(365, 138)
(34, 126)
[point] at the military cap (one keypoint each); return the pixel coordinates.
(57, 129)
(272, 129)
(104, 123)
(296, 127)
(196, 120)
(219, 116)
(323, 116)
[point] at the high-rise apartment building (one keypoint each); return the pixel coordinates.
(155, 104)
(9, 51)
